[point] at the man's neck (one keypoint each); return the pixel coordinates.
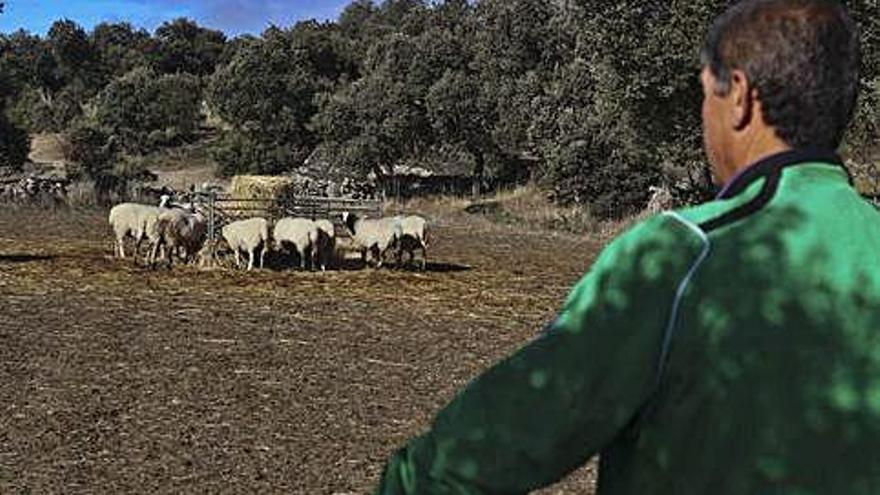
(756, 149)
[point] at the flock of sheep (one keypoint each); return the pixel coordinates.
(176, 230)
(33, 190)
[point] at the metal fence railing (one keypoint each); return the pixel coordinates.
(222, 209)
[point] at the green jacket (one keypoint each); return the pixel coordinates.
(730, 348)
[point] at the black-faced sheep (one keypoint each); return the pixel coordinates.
(374, 236)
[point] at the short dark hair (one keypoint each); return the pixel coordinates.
(802, 57)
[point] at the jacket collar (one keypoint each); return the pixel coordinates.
(774, 164)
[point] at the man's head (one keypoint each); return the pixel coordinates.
(777, 74)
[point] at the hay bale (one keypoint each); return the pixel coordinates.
(260, 186)
(252, 195)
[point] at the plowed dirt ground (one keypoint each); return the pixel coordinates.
(118, 379)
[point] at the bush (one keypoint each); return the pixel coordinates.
(91, 154)
(36, 112)
(589, 172)
(266, 89)
(82, 193)
(147, 111)
(14, 145)
(95, 162)
(863, 138)
(238, 153)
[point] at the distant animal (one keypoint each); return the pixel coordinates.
(248, 236)
(179, 229)
(375, 237)
(131, 220)
(300, 233)
(415, 237)
(151, 228)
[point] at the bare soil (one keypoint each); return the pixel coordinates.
(118, 379)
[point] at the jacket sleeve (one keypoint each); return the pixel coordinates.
(545, 410)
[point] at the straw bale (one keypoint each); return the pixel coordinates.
(260, 186)
(257, 187)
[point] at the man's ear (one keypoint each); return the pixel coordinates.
(742, 100)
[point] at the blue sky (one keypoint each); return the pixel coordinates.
(231, 16)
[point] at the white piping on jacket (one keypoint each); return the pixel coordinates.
(682, 286)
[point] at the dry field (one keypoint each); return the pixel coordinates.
(118, 379)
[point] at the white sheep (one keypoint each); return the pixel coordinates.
(179, 229)
(248, 236)
(151, 224)
(415, 236)
(136, 220)
(302, 234)
(374, 236)
(131, 220)
(326, 242)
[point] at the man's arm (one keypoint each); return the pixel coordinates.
(545, 410)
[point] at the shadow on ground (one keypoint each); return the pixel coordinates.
(284, 262)
(24, 258)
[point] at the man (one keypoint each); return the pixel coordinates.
(731, 348)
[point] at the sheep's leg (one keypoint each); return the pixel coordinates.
(151, 258)
(250, 260)
(302, 257)
(316, 262)
(383, 254)
(366, 254)
(170, 253)
(379, 257)
(237, 258)
(409, 258)
(161, 253)
(120, 247)
(424, 258)
(262, 256)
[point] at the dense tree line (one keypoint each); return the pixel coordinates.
(14, 144)
(594, 100)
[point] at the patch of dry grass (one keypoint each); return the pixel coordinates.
(524, 209)
(183, 166)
